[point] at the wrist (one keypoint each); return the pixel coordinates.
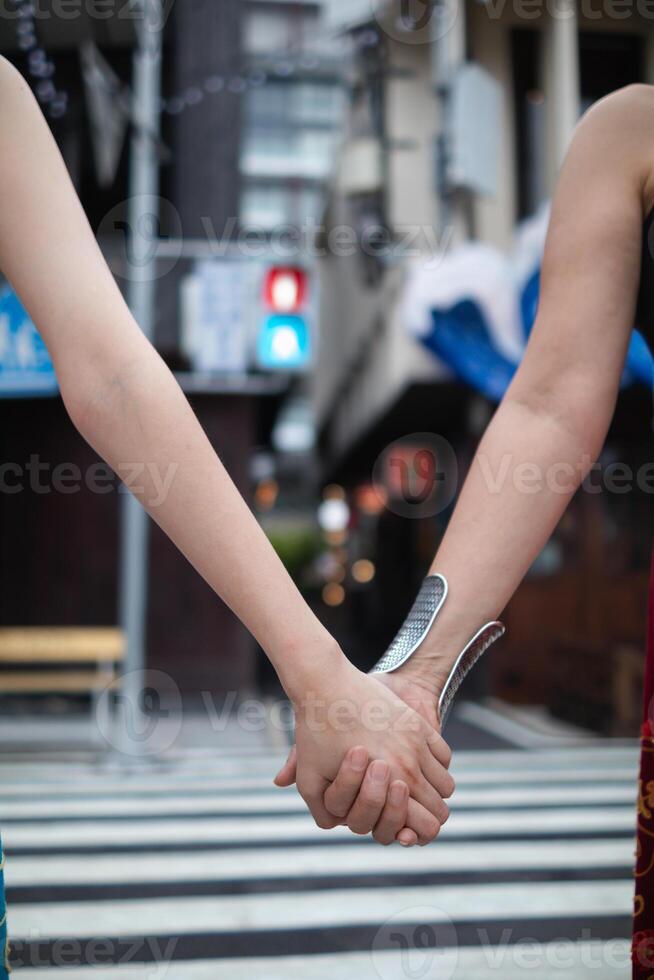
(309, 667)
(428, 670)
(431, 664)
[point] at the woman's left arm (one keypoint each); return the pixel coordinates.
(123, 398)
(127, 405)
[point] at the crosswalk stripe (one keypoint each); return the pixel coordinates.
(150, 785)
(288, 801)
(235, 763)
(240, 913)
(245, 830)
(583, 960)
(274, 863)
(200, 855)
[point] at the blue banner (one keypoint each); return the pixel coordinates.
(25, 365)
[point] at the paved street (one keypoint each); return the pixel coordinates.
(197, 868)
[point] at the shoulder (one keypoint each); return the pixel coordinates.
(622, 105)
(12, 84)
(618, 131)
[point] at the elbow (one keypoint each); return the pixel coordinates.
(100, 379)
(91, 395)
(575, 403)
(78, 402)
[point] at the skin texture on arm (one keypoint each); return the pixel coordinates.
(127, 405)
(552, 422)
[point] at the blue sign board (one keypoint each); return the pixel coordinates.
(25, 365)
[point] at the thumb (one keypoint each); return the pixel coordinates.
(287, 774)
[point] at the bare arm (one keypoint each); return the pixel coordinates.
(122, 397)
(554, 418)
(126, 403)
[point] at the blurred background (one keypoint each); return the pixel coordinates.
(329, 217)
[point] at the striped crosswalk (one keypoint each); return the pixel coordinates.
(196, 867)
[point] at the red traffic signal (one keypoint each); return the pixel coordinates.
(285, 289)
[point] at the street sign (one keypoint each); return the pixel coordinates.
(220, 336)
(25, 365)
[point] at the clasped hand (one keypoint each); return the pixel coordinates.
(369, 755)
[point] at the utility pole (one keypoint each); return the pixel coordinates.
(448, 53)
(143, 234)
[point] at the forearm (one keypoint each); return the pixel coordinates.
(132, 411)
(555, 416)
(524, 473)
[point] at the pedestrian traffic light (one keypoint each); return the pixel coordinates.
(284, 341)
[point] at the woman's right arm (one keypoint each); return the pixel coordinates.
(553, 420)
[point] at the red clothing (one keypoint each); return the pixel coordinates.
(643, 938)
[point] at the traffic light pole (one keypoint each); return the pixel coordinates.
(143, 225)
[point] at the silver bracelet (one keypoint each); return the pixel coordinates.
(425, 609)
(464, 663)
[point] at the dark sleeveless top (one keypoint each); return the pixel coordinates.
(645, 306)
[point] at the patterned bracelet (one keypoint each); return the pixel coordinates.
(416, 626)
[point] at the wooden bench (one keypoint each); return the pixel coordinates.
(62, 660)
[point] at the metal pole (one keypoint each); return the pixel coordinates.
(143, 227)
(448, 53)
(564, 88)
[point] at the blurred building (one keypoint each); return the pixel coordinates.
(250, 102)
(459, 117)
(292, 114)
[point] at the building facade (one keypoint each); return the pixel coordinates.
(455, 134)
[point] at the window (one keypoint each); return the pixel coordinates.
(267, 206)
(274, 30)
(264, 206)
(266, 31)
(295, 103)
(292, 153)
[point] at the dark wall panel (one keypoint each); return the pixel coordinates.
(59, 551)
(204, 181)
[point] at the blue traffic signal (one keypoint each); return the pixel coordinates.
(284, 343)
